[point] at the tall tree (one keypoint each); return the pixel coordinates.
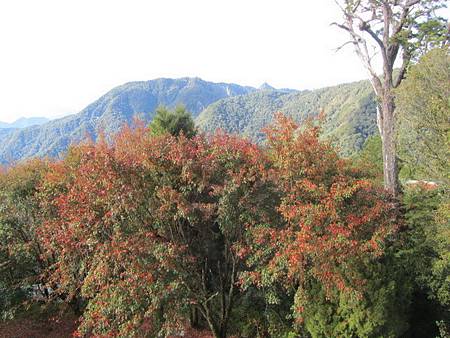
(390, 30)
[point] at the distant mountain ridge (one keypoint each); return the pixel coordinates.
(111, 111)
(350, 111)
(24, 122)
(239, 109)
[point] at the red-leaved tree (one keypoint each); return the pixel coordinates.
(333, 218)
(151, 230)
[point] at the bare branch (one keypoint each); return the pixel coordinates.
(340, 26)
(411, 3)
(3, 264)
(364, 26)
(402, 21)
(387, 18)
(344, 44)
(362, 51)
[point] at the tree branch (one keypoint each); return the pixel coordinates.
(364, 26)
(343, 45)
(403, 69)
(411, 3)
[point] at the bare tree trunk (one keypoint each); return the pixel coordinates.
(386, 125)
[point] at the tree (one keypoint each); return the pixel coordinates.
(423, 106)
(173, 122)
(21, 253)
(152, 229)
(334, 224)
(389, 28)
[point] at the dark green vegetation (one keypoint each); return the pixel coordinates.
(422, 141)
(423, 103)
(349, 110)
(349, 113)
(21, 263)
(422, 255)
(174, 122)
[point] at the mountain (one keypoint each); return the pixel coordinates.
(24, 122)
(350, 113)
(111, 111)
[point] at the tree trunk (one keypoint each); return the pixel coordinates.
(386, 125)
(194, 318)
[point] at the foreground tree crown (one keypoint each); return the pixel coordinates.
(152, 231)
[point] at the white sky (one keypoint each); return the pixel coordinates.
(57, 56)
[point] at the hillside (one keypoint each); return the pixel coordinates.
(350, 112)
(110, 112)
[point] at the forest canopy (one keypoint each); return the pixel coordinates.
(154, 232)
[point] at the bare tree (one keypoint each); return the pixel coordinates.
(393, 30)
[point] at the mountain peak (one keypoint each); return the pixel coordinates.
(266, 86)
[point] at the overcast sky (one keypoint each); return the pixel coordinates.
(57, 56)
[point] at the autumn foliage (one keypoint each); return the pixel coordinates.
(150, 232)
(333, 218)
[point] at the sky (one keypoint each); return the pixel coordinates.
(57, 56)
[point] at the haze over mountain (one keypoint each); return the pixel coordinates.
(24, 122)
(238, 109)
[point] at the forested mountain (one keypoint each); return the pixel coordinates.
(111, 111)
(349, 108)
(24, 122)
(350, 112)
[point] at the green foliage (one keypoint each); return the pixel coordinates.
(11, 299)
(255, 316)
(382, 311)
(423, 104)
(21, 261)
(427, 255)
(350, 113)
(370, 158)
(173, 122)
(428, 33)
